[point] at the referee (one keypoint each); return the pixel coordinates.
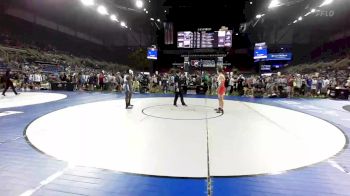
(178, 90)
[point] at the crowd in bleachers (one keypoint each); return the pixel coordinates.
(36, 67)
(39, 75)
(269, 85)
(316, 84)
(274, 85)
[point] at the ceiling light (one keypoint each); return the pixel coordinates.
(114, 18)
(88, 2)
(102, 10)
(139, 4)
(274, 3)
(326, 2)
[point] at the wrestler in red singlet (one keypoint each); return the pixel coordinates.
(221, 90)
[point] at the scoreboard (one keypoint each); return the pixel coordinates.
(204, 39)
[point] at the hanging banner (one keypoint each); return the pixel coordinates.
(168, 33)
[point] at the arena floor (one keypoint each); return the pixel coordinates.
(77, 143)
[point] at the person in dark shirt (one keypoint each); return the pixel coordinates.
(25, 83)
(101, 82)
(178, 90)
(63, 77)
(8, 83)
(240, 82)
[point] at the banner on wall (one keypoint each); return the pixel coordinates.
(168, 33)
(279, 56)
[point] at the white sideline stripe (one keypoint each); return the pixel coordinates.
(11, 140)
(45, 182)
(339, 167)
(8, 113)
(290, 102)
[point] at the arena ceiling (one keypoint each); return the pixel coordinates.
(73, 13)
(186, 14)
(195, 14)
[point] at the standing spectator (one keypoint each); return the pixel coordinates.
(319, 85)
(119, 79)
(101, 79)
(8, 83)
(290, 86)
(214, 83)
(303, 86)
(154, 81)
(314, 86)
(298, 83)
(164, 83)
(92, 81)
(210, 84)
(230, 84)
(308, 85)
(113, 82)
(63, 77)
(325, 85)
(240, 85)
(25, 82)
(136, 85)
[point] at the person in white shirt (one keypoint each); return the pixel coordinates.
(325, 85)
(298, 83)
(230, 84)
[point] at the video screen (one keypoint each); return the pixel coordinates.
(204, 39)
(208, 39)
(185, 39)
(224, 39)
(152, 53)
(260, 51)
